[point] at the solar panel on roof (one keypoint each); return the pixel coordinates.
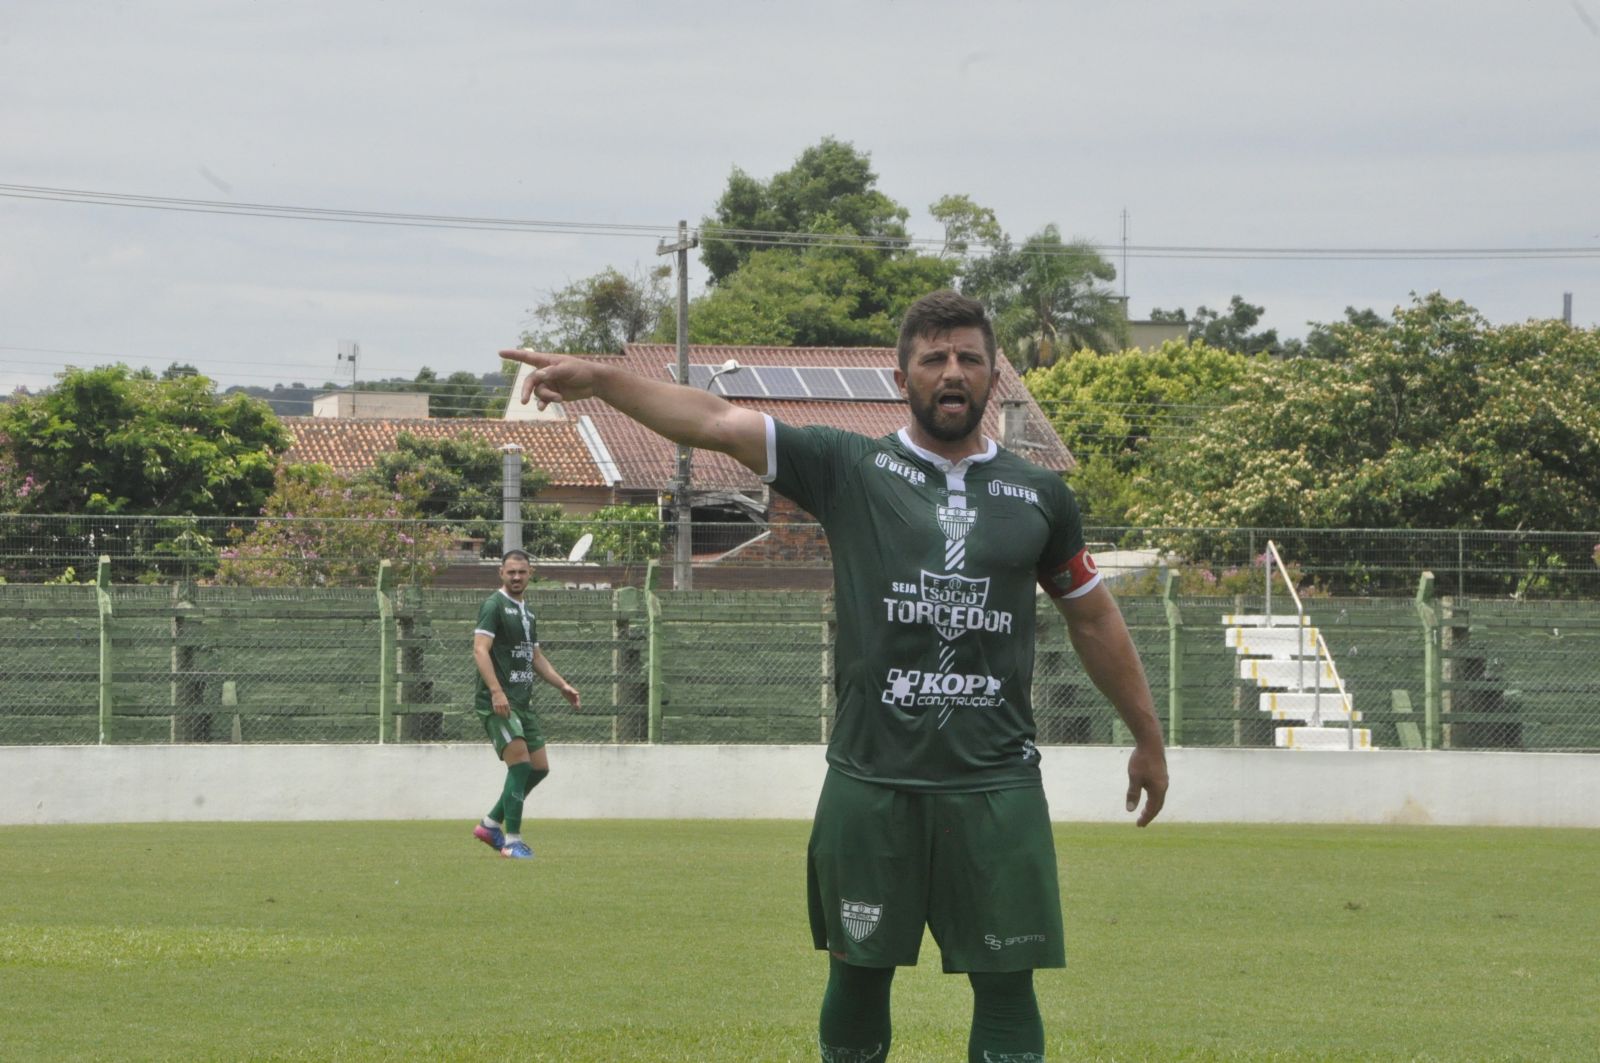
(819, 383)
(744, 384)
(781, 382)
(868, 384)
(823, 382)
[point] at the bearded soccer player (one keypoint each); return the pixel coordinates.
(505, 649)
(933, 811)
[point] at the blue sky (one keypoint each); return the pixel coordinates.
(1409, 124)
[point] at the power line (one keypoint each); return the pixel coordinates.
(881, 242)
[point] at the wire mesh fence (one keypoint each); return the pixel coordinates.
(197, 664)
(728, 554)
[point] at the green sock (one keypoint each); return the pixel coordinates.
(498, 813)
(854, 1027)
(515, 792)
(1006, 1027)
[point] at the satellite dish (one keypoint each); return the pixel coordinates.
(580, 549)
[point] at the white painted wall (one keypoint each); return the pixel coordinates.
(125, 784)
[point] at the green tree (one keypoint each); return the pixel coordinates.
(1047, 298)
(1231, 330)
(818, 297)
(322, 529)
(625, 533)
(842, 275)
(122, 441)
(598, 314)
(1109, 408)
(456, 480)
(965, 223)
(1434, 420)
(830, 190)
(1332, 341)
(464, 394)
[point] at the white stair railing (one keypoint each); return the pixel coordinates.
(1266, 638)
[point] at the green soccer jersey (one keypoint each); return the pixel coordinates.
(515, 631)
(935, 569)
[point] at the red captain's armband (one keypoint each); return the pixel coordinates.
(1075, 576)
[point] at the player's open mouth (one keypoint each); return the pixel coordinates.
(952, 400)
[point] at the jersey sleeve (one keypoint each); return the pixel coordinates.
(1066, 568)
(488, 615)
(807, 464)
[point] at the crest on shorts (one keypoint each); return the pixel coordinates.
(860, 919)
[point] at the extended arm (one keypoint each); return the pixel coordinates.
(683, 414)
(548, 673)
(1101, 639)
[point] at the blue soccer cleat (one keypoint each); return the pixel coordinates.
(517, 850)
(493, 837)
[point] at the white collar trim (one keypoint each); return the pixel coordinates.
(945, 465)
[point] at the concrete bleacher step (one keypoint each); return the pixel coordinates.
(1261, 620)
(1272, 641)
(1302, 706)
(1294, 674)
(1328, 738)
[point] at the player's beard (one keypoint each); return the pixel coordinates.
(944, 426)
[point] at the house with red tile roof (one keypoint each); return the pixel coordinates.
(568, 451)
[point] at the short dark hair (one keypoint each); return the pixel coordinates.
(938, 313)
(509, 554)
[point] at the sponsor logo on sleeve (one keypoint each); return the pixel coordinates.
(1001, 489)
(908, 473)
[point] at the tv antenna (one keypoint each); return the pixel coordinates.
(348, 350)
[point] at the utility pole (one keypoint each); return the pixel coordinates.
(683, 555)
(510, 498)
(1124, 257)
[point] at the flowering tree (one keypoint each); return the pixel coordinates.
(320, 529)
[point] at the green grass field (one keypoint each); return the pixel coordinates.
(667, 941)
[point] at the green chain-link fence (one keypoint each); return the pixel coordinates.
(318, 552)
(186, 663)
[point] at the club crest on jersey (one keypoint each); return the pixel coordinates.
(860, 919)
(954, 590)
(956, 522)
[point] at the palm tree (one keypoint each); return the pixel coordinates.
(1048, 298)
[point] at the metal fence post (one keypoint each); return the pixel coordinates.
(652, 612)
(102, 593)
(187, 694)
(1169, 590)
(630, 684)
(386, 652)
(1432, 673)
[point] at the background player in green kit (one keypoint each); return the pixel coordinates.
(933, 811)
(505, 648)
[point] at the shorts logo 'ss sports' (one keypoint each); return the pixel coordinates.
(860, 918)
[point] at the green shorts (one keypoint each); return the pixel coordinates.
(979, 869)
(523, 723)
